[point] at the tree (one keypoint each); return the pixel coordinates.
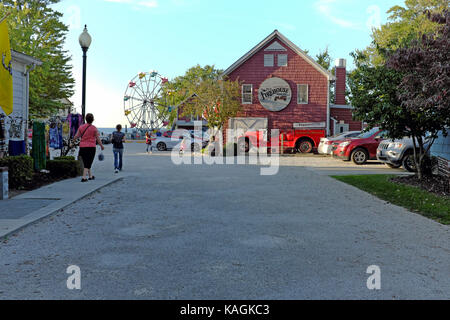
(408, 95)
(405, 25)
(424, 90)
(217, 100)
(184, 86)
(36, 29)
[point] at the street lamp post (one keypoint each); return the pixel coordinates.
(85, 41)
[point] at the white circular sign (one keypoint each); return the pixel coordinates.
(275, 94)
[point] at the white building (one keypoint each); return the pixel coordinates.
(17, 122)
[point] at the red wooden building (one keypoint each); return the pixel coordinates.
(283, 88)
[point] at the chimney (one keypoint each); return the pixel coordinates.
(341, 77)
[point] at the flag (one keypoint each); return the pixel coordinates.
(6, 83)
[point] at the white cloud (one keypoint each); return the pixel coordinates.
(147, 4)
(328, 8)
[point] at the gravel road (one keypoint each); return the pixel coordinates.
(226, 232)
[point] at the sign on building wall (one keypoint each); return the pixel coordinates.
(275, 94)
(310, 125)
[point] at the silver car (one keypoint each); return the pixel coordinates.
(397, 153)
(326, 144)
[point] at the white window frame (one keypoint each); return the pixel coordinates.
(272, 56)
(298, 94)
(278, 60)
(251, 93)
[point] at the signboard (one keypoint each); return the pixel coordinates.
(310, 125)
(275, 94)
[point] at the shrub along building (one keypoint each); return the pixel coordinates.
(283, 88)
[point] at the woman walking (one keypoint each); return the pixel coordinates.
(89, 136)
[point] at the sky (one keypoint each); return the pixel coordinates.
(171, 36)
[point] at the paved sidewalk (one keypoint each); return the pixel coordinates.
(29, 207)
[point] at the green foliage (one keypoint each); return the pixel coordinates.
(216, 99)
(408, 93)
(182, 87)
(374, 96)
(405, 24)
(69, 158)
(64, 167)
(409, 197)
(20, 170)
(36, 29)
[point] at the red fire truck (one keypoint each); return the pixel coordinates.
(289, 140)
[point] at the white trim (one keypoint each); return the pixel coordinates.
(25, 59)
(328, 110)
(298, 93)
(251, 92)
(276, 46)
(286, 41)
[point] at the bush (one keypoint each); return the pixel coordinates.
(64, 167)
(70, 158)
(20, 170)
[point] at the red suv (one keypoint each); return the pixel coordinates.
(361, 148)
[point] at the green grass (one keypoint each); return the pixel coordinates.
(409, 197)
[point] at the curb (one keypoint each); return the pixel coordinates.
(36, 216)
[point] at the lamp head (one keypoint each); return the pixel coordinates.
(85, 39)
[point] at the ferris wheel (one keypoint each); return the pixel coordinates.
(145, 103)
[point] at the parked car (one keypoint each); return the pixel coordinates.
(397, 153)
(106, 139)
(169, 142)
(361, 148)
(326, 144)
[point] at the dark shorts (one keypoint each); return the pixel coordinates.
(88, 155)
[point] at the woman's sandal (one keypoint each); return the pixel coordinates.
(93, 178)
(84, 180)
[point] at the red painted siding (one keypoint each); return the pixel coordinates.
(298, 71)
(341, 78)
(346, 115)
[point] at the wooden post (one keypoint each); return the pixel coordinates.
(3, 183)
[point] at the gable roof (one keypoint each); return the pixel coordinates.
(277, 35)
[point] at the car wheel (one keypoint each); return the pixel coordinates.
(360, 156)
(305, 146)
(393, 166)
(195, 147)
(161, 146)
(409, 163)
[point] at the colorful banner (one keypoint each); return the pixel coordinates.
(6, 81)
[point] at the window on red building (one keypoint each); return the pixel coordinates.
(282, 60)
(268, 60)
(302, 94)
(247, 94)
